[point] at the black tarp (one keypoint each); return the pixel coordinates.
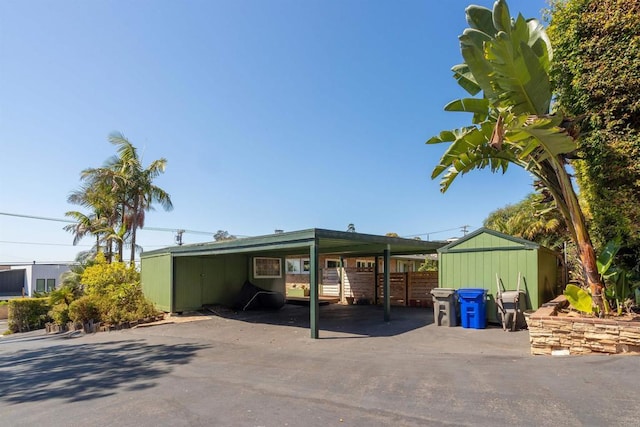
(252, 297)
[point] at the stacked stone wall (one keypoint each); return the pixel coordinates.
(551, 333)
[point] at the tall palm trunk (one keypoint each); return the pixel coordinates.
(586, 253)
(134, 227)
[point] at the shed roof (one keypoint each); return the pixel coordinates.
(515, 242)
(297, 242)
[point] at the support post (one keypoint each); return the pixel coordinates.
(387, 284)
(376, 271)
(314, 301)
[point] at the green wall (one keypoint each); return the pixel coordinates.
(203, 280)
(474, 263)
(199, 280)
(155, 276)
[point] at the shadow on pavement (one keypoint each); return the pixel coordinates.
(362, 320)
(87, 371)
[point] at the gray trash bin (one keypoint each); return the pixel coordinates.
(444, 307)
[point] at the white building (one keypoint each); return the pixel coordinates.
(18, 280)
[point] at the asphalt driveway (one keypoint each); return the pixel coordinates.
(263, 369)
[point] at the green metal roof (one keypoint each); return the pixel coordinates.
(297, 242)
(523, 243)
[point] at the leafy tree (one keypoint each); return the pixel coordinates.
(596, 75)
(529, 219)
(508, 61)
(351, 228)
(222, 235)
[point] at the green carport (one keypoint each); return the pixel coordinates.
(183, 278)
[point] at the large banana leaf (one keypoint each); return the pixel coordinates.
(509, 60)
(607, 255)
(481, 18)
(579, 299)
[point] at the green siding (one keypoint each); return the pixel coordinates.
(223, 278)
(187, 279)
(155, 276)
(478, 270)
(475, 262)
(214, 279)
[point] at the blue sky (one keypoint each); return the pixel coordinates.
(280, 114)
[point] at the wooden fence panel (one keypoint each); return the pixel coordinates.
(398, 285)
(359, 284)
(420, 284)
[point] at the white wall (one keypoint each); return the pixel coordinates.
(40, 271)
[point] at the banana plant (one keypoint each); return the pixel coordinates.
(617, 279)
(506, 73)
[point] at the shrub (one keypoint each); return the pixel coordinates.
(116, 291)
(84, 309)
(59, 313)
(26, 314)
(103, 278)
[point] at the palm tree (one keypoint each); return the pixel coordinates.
(137, 183)
(98, 195)
(508, 60)
(118, 194)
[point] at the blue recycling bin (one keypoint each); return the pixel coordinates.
(473, 307)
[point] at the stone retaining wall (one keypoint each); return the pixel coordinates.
(550, 333)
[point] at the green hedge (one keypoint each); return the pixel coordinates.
(26, 314)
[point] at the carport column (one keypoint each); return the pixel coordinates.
(314, 302)
(387, 285)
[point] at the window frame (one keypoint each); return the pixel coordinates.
(263, 263)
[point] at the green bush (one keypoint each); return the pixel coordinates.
(116, 291)
(59, 300)
(26, 314)
(84, 309)
(59, 313)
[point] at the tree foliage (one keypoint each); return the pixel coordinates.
(530, 220)
(223, 235)
(117, 196)
(596, 75)
(507, 61)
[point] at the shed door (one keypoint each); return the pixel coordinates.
(188, 284)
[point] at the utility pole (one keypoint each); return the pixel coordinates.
(465, 229)
(179, 237)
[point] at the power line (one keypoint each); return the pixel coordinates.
(43, 244)
(44, 218)
(463, 228)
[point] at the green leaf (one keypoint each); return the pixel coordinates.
(579, 298)
(501, 16)
(465, 79)
(469, 105)
(605, 259)
(480, 18)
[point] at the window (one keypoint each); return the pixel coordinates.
(267, 268)
(297, 265)
(365, 265)
(332, 263)
(45, 285)
(404, 266)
